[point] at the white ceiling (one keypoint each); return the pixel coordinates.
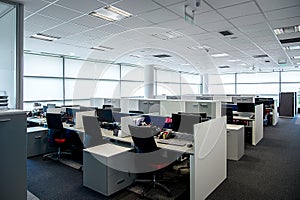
(132, 40)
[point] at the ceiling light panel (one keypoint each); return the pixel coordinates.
(44, 37)
(219, 55)
(286, 30)
(110, 13)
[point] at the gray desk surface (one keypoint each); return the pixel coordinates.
(109, 134)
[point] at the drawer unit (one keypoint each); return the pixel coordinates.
(37, 143)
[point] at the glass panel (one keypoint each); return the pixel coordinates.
(257, 89)
(290, 87)
(43, 89)
(190, 89)
(78, 102)
(92, 70)
(132, 73)
(258, 78)
(216, 89)
(8, 54)
(290, 76)
(168, 89)
(190, 78)
(221, 78)
(37, 65)
(167, 76)
(108, 89)
(130, 89)
(80, 89)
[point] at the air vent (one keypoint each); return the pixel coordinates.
(224, 67)
(267, 61)
(290, 40)
(260, 56)
(161, 56)
(226, 33)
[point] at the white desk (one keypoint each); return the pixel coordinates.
(235, 141)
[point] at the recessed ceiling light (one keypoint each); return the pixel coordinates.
(110, 13)
(288, 29)
(219, 55)
(243, 64)
(102, 48)
(234, 60)
(295, 57)
(224, 67)
(260, 56)
(226, 33)
(185, 64)
(168, 35)
(199, 47)
(294, 47)
(45, 37)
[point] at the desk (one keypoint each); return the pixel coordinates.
(39, 121)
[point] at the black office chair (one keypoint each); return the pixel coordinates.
(151, 158)
(56, 135)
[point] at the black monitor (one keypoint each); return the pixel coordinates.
(105, 106)
(202, 114)
(185, 123)
(136, 112)
(229, 115)
(105, 115)
(246, 107)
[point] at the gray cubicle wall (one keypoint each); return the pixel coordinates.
(287, 104)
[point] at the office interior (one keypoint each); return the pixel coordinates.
(177, 54)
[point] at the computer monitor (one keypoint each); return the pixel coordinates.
(185, 123)
(246, 107)
(202, 114)
(51, 105)
(136, 112)
(105, 115)
(86, 108)
(158, 121)
(229, 115)
(117, 116)
(105, 106)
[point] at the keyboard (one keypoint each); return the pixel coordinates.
(175, 142)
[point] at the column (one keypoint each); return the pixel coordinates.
(149, 81)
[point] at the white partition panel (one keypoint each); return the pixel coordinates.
(129, 104)
(167, 107)
(258, 124)
(209, 161)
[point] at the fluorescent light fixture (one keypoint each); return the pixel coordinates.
(295, 47)
(168, 35)
(288, 29)
(102, 48)
(234, 60)
(45, 37)
(295, 57)
(199, 47)
(243, 64)
(218, 55)
(185, 64)
(110, 13)
(118, 11)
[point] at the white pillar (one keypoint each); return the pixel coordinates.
(149, 81)
(205, 83)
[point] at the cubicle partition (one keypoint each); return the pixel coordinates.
(208, 164)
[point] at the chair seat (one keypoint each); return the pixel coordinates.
(60, 140)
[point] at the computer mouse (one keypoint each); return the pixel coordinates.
(189, 145)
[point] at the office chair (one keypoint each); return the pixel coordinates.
(56, 135)
(153, 159)
(92, 129)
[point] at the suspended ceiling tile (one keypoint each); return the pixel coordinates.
(255, 28)
(208, 17)
(217, 26)
(82, 6)
(239, 10)
(137, 6)
(267, 5)
(34, 27)
(134, 22)
(109, 2)
(43, 21)
(158, 16)
(283, 13)
(89, 21)
(168, 2)
(95, 33)
(59, 13)
(34, 6)
(113, 28)
(66, 30)
(285, 22)
(179, 8)
(248, 20)
(224, 3)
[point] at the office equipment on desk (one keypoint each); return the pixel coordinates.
(105, 106)
(175, 142)
(246, 107)
(158, 121)
(152, 158)
(86, 108)
(184, 123)
(56, 135)
(202, 114)
(79, 123)
(129, 120)
(105, 115)
(93, 134)
(51, 105)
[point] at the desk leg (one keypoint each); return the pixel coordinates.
(192, 177)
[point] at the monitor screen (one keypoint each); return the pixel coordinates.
(185, 123)
(105, 115)
(158, 121)
(246, 107)
(51, 105)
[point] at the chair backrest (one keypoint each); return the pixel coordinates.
(92, 129)
(54, 121)
(143, 138)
